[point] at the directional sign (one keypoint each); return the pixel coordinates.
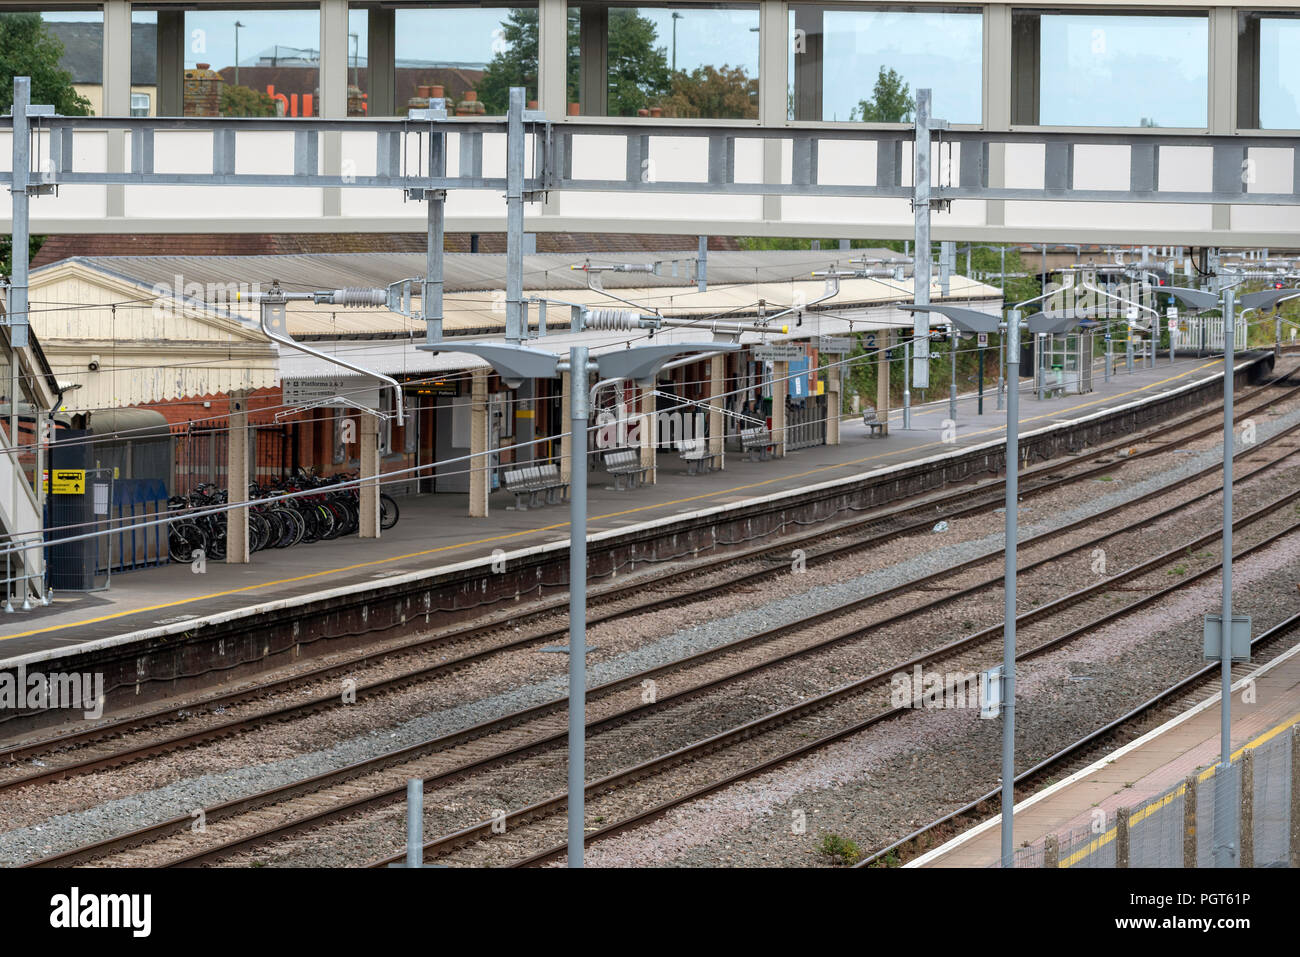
(838, 345)
(68, 482)
(339, 391)
(778, 353)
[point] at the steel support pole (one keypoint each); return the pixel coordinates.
(702, 264)
(980, 410)
(1009, 592)
(431, 297)
(515, 330)
(415, 822)
(907, 383)
(1224, 803)
(952, 385)
(577, 602)
(921, 255)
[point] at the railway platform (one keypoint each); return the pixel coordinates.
(434, 532)
(1187, 744)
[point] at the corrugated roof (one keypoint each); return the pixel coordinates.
(470, 271)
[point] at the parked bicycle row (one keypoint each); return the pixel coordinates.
(273, 520)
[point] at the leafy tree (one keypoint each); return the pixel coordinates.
(708, 92)
(34, 244)
(245, 101)
(28, 49)
(638, 70)
(515, 60)
(891, 101)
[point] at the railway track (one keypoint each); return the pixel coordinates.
(878, 528)
(1156, 710)
(806, 719)
(478, 760)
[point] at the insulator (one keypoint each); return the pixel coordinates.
(360, 296)
(611, 320)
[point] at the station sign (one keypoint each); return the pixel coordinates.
(778, 353)
(982, 338)
(836, 345)
(331, 391)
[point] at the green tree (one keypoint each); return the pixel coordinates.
(245, 101)
(515, 61)
(638, 70)
(28, 49)
(891, 101)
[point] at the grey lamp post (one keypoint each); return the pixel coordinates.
(969, 320)
(515, 363)
(1224, 847)
(238, 26)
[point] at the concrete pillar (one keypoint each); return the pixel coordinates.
(833, 385)
(997, 99)
(780, 388)
(368, 436)
(717, 422)
(884, 342)
(1189, 822)
(479, 476)
(649, 433)
(566, 442)
(237, 552)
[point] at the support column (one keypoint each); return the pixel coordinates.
(886, 341)
(552, 58)
(525, 421)
(381, 59)
(998, 65)
(649, 434)
(333, 93)
(780, 388)
(566, 441)
(593, 77)
(717, 422)
(833, 404)
(1221, 107)
(479, 478)
(237, 552)
(117, 94)
(773, 102)
(368, 435)
(171, 63)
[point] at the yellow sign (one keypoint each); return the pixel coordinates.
(68, 482)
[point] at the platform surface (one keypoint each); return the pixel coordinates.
(1160, 760)
(435, 530)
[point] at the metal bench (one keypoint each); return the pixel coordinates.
(535, 485)
(625, 465)
(874, 424)
(695, 453)
(755, 440)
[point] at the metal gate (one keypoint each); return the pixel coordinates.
(805, 423)
(201, 454)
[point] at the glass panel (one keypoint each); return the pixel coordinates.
(1123, 71)
(866, 65)
(1279, 77)
(686, 62)
(475, 54)
(252, 62)
(63, 52)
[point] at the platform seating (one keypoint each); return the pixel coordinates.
(876, 426)
(756, 441)
(695, 453)
(535, 485)
(625, 465)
